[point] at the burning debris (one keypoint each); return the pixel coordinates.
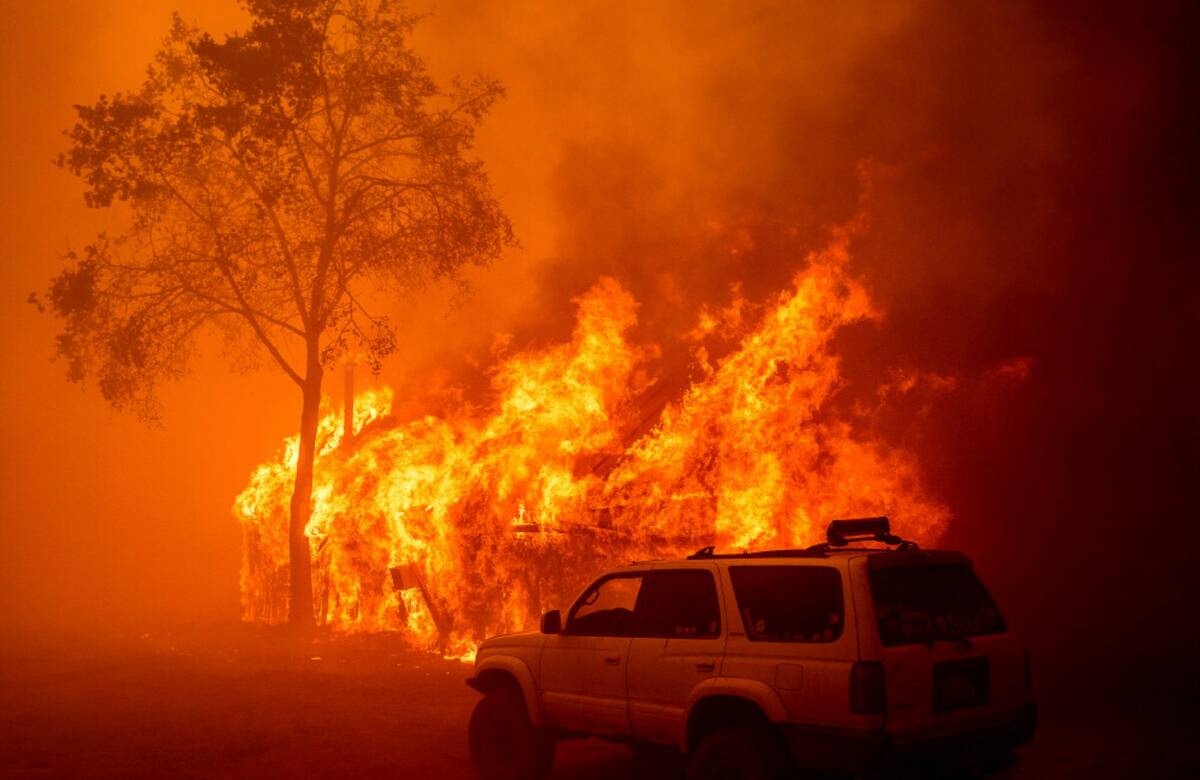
(450, 529)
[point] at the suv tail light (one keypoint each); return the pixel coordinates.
(868, 688)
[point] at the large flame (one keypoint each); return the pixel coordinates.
(452, 529)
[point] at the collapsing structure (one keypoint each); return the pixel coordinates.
(454, 528)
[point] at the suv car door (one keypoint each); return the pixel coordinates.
(678, 641)
(583, 668)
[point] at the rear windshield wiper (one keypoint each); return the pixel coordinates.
(959, 638)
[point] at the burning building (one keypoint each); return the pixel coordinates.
(455, 527)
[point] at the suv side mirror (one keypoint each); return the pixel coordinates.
(552, 622)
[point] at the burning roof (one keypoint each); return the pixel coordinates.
(457, 527)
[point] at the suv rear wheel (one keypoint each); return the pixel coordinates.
(504, 744)
(738, 753)
(661, 762)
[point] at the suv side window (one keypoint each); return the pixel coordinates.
(678, 604)
(606, 608)
(789, 603)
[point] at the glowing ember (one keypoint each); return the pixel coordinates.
(453, 529)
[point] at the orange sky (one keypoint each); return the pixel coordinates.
(104, 517)
(634, 140)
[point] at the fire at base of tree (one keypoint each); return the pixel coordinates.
(452, 529)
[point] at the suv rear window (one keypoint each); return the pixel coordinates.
(789, 603)
(928, 602)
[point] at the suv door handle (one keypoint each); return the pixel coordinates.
(706, 666)
(614, 661)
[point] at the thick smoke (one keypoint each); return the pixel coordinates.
(686, 149)
(1033, 176)
(1032, 198)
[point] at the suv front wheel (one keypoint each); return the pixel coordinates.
(504, 744)
(738, 753)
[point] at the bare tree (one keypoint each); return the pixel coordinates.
(275, 182)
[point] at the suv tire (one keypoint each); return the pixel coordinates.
(504, 744)
(738, 753)
(660, 762)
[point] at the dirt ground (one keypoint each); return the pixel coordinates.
(243, 702)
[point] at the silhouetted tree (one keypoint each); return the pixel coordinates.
(274, 182)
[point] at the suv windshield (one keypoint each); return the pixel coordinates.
(930, 602)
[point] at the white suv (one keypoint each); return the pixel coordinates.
(831, 658)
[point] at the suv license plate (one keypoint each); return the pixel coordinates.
(958, 684)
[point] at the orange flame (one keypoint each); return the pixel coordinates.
(454, 529)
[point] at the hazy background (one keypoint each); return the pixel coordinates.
(1034, 198)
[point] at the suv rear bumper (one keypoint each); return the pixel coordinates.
(845, 750)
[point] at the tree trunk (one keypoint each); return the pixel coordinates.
(300, 604)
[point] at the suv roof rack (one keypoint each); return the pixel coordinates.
(838, 534)
(861, 529)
